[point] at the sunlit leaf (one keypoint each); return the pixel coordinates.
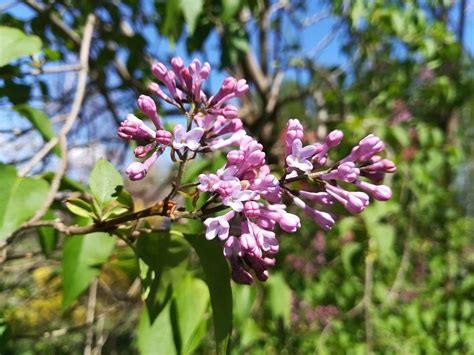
(20, 198)
(156, 338)
(82, 259)
(217, 276)
(40, 121)
(15, 44)
(191, 10)
(104, 181)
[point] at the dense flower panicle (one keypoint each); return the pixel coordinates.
(254, 201)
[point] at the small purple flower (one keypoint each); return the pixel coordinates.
(237, 196)
(299, 156)
(218, 226)
(232, 247)
(208, 182)
(190, 140)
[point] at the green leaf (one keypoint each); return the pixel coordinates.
(279, 298)
(82, 259)
(191, 300)
(15, 44)
(40, 121)
(191, 10)
(217, 276)
(105, 181)
(162, 263)
(79, 207)
(20, 199)
(230, 8)
(156, 338)
(172, 24)
(244, 298)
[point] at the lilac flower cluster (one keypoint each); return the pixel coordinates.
(308, 162)
(210, 120)
(254, 200)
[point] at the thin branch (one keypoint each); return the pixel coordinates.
(253, 71)
(78, 98)
(55, 21)
(55, 69)
(274, 92)
(367, 300)
(392, 294)
(165, 208)
(462, 19)
(90, 317)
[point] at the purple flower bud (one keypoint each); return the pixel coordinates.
(142, 151)
(205, 70)
(163, 137)
(226, 91)
(367, 147)
(294, 130)
(333, 138)
(347, 172)
(323, 198)
(324, 219)
(148, 107)
(230, 111)
(289, 222)
(235, 157)
(137, 171)
(155, 89)
(379, 192)
(241, 88)
(177, 64)
(231, 126)
(379, 164)
(159, 71)
(239, 274)
(135, 128)
(251, 209)
(354, 202)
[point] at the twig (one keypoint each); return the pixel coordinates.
(161, 208)
(274, 93)
(55, 69)
(78, 98)
(90, 317)
(392, 294)
(367, 301)
(101, 338)
(55, 21)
